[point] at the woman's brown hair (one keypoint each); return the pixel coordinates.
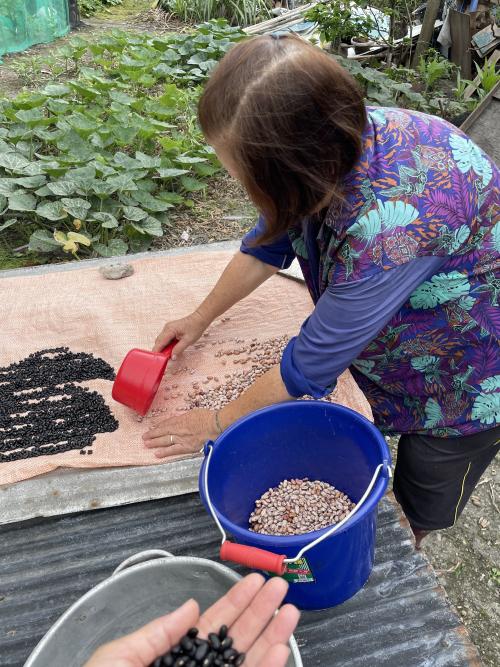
(291, 119)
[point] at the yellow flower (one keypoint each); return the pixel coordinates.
(70, 241)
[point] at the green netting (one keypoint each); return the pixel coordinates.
(27, 22)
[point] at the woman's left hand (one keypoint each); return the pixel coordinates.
(188, 433)
(185, 434)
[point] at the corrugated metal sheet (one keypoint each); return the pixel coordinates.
(401, 617)
(65, 491)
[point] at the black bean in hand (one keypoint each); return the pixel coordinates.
(192, 651)
(187, 644)
(201, 652)
(227, 642)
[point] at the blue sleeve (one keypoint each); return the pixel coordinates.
(279, 253)
(345, 320)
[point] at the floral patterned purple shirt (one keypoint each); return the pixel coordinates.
(420, 189)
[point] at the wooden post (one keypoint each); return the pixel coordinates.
(461, 42)
(425, 37)
(74, 14)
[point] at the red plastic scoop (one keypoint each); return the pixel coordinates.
(140, 376)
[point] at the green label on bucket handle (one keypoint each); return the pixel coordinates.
(298, 572)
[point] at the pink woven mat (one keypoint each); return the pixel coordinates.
(81, 310)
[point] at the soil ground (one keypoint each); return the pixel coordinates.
(222, 213)
(465, 557)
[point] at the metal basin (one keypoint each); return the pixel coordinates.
(145, 586)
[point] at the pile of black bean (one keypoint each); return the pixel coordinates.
(42, 409)
(191, 651)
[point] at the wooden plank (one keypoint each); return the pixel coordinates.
(486, 40)
(470, 90)
(483, 125)
(424, 40)
(461, 42)
(274, 23)
(481, 108)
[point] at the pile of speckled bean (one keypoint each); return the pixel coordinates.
(299, 506)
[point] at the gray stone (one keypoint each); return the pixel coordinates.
(116, 271)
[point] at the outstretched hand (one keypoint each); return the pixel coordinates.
(249, 611)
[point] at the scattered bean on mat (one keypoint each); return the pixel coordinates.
(250, 361)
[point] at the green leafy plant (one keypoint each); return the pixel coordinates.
(92, 165)
(237, 12)
(402, 74)
(488, 77)
(338, 23)
(91, 7)
(432, 68)
(399, 86)
(65, 62)
(28, 68)
(461, 86)
(380, 89)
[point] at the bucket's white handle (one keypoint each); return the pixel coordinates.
(208, 449)
(208, 452)
(142, 557)
(338, 525)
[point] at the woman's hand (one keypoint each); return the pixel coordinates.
(242, 275)
(185, 434)
(248, 609)
(187, 331)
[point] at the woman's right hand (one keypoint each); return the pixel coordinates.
(187, 331)
(249, 609)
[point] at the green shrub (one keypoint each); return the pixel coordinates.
(91, 7)
(488, 77)
(383, 90)
(432, 68)
(92, 165)
(237, 12)
(396, 87)
(338, 23)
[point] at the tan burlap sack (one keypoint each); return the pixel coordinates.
(81, 310)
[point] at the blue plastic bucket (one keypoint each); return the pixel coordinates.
(311, 439)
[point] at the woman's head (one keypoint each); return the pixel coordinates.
(286, 119)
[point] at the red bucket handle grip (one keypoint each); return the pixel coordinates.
(167, 351)
(257, 559)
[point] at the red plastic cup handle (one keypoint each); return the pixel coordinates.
(167, 351)
(257, 559)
